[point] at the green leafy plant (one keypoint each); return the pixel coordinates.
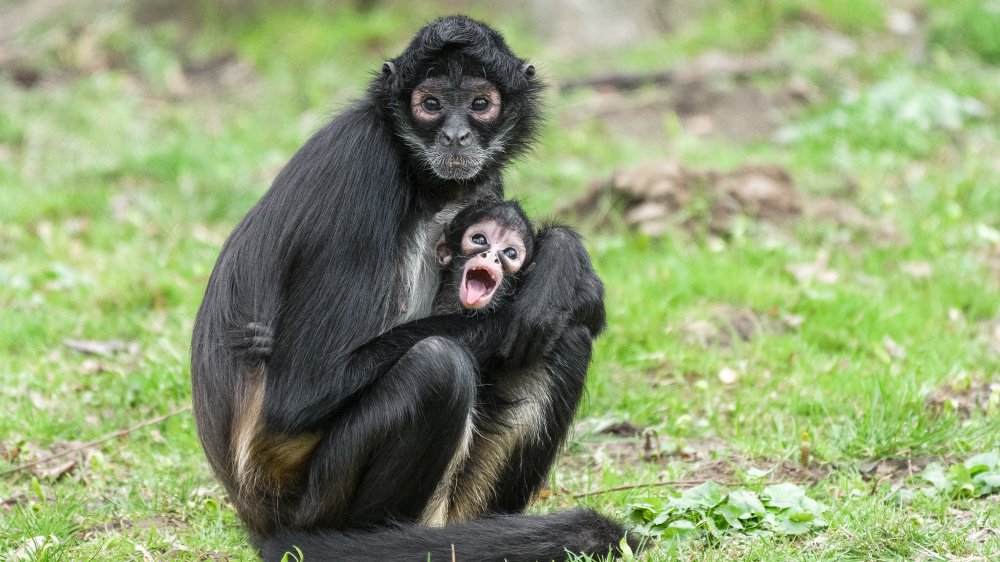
(977, 476)
(708, 512)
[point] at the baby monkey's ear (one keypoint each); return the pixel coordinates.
(441, 249)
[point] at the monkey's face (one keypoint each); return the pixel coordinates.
(455, 119)
(462, 104)
(489, 256)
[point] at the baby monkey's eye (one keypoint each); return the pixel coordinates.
(432, 104)
(511, 253)
(479, 239)
(480, 104)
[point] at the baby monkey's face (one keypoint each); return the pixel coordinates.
(490, 254)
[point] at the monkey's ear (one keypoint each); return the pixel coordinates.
(388, 68)
(441, 249)
(529, 70)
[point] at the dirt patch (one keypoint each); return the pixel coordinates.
(47, 43)
(965, 397)
(126, 526)
(166, 527)
(709, 96)
(7, 505)
(709, 459)
(648, 448)
(623, 429)
(731, 469)
(702, 460)
(55, 467)
(721, 325)
(898, 470)
(22, 500)
(654, 195)
(742, 113)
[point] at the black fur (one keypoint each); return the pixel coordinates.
(543, 538)
(330, 421)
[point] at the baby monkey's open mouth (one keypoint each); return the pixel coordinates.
(478, 286)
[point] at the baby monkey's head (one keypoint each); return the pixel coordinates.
(484, 250)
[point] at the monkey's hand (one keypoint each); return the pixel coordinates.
(258, 340)
(561, 289)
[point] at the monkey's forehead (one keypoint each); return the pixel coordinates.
(497, 233)
(473, 85)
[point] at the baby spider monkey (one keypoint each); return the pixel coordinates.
(485, 252)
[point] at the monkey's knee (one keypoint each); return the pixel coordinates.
(442, 371)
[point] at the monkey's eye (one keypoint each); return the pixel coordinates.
(479, 239)
(431, 104)
(511, 253)
(480, 104)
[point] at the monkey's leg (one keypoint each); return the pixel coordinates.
(522, 419)
(390, 449)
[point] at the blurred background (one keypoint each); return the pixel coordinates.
(794, 205)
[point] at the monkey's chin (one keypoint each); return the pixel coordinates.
(456, 168)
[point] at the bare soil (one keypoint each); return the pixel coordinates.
(653, 196)
(709, 95)
(966, 398)
(126, 526)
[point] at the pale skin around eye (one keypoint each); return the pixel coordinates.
(478, 97)
(496, 241)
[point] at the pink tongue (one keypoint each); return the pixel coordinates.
(473, 291)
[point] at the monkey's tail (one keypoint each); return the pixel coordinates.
(510, 538)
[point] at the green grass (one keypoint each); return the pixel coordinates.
(116, 195)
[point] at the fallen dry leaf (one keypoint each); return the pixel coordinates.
(146, 556)
(32, 547)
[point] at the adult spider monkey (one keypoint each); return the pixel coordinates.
(353, 438)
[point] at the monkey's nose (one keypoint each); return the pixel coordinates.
(454, 136)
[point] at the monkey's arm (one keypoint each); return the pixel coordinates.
(305, 404)
(561, 290)
(482, 335)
